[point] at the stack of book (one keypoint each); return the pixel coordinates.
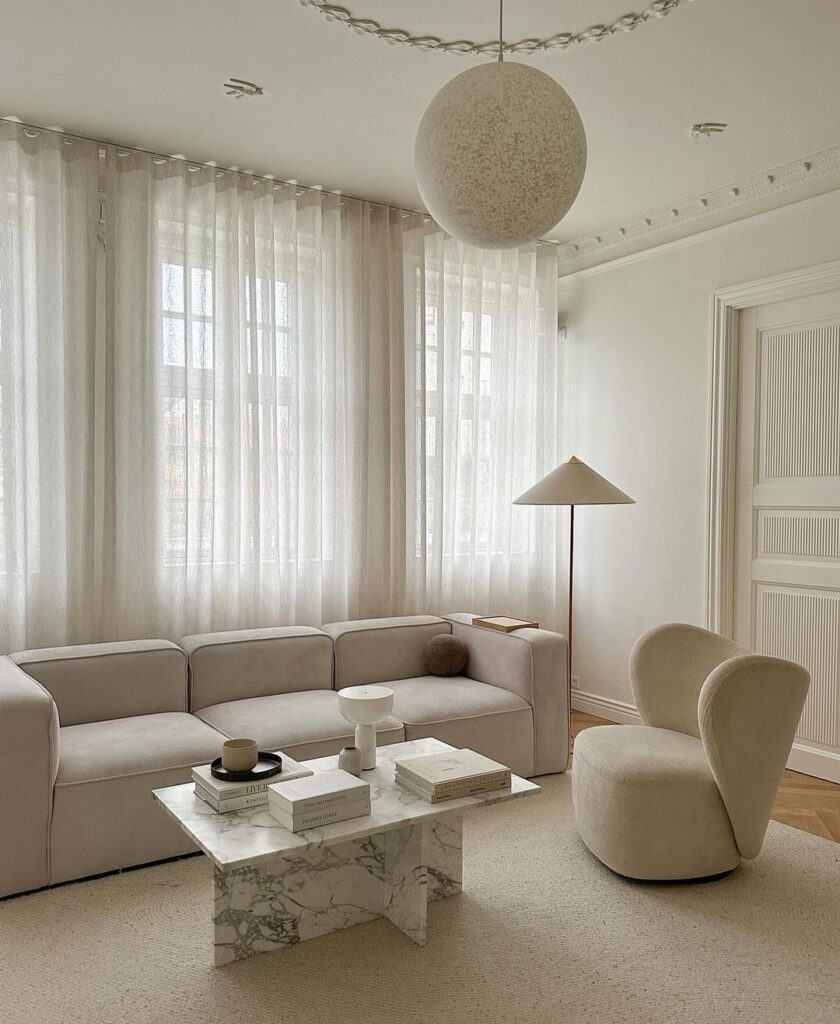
(237, 796)
(319, 800)
(450, 775)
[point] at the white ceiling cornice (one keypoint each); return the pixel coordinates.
(777, 186)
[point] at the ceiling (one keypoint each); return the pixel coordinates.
(340, 109)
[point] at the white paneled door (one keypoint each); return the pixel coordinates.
(787, 578)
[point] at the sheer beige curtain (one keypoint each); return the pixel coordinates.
(48, 223)
(483, 423)
(256, 402)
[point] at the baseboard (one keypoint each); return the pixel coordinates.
(823, 764)
(605, 707)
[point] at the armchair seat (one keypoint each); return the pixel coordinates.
(648, 805)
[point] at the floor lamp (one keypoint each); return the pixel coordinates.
(573, 483)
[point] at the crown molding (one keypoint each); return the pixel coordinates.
(777, 186)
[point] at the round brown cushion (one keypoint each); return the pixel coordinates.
(445, 655)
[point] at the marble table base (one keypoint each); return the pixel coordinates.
(321, 889)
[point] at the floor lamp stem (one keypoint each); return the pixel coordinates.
(571, 581)
(569, 627)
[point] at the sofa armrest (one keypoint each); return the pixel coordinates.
(533, 664)
(28, 767)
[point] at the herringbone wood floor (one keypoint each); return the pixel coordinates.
(804, 802)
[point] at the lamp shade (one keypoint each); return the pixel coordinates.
(574, 483)
(500, 155)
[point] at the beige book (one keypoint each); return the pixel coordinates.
(504, 623)
(449, 766)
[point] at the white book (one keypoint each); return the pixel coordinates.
(454, 786)
(318, 817)
(476, 789)
(237, 803)
(451, 768)
(321, 790)
(223, 790)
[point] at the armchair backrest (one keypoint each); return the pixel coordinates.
(668, 667)
(749, 709)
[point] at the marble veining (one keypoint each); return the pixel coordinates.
(279, 903)
(274, 888)
(406, 879)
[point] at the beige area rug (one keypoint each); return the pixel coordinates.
(543, 933)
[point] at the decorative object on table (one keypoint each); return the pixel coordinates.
(445, 655)
(364, 706)
(350, 760)
(573, 483)
(504, 623)
(318, 800)
(235, 791)
(500, 154)
(265, 765)
(239, 755)
(450, 775)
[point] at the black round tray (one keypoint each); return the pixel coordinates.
(267, 765)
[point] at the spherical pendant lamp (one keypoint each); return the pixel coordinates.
(500, 155)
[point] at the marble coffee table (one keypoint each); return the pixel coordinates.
(275, 888)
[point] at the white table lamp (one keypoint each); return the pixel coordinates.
(364, 706)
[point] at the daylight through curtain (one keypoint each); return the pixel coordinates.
(255, 404)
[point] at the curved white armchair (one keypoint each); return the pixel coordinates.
(688, 793)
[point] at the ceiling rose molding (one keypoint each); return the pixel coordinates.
(661, 222)
(558, 41)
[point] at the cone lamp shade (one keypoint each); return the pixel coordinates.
(573, 483)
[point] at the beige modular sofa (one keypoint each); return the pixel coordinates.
(86, 733)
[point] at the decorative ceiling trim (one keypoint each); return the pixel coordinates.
(654, 226)
(558, 41)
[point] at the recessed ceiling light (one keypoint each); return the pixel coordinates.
(707, 129)
(239, 88)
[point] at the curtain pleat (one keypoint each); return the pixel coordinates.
(48, 221)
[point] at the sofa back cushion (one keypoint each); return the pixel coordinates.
(96, 682)
(377, 650)
(257, 663)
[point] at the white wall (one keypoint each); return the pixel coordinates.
(637, 381)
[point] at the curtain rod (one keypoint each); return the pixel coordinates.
(10, 119)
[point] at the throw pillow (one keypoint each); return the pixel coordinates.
(445, 655)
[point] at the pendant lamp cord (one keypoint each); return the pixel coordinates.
(501, 30)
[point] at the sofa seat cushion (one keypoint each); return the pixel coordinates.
(304, 724)
(131, 746)
(467, 713)
(104, 815)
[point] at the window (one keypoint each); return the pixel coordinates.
(469, 372)
(189, 404)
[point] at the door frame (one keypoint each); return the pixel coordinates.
(727, 304)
